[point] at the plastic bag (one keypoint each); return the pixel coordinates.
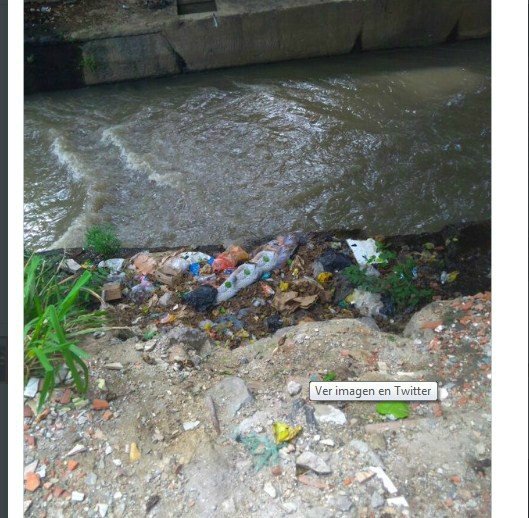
(229, 259)
(201, 299)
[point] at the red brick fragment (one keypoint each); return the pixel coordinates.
(107, 415)
(58, 491)
(277, 470)
(66, 397)
(72, 464)
(100, 404)
(32, 481)
(431, 325)
(456, 479)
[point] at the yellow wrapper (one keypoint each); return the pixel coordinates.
(284, 433)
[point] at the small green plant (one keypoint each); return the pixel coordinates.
(398, 409)
(53, 316)
(331, 376)
(398, 284)
(385, 255)
(102, 240)
(89, 63)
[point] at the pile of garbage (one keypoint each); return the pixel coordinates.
(236, 296)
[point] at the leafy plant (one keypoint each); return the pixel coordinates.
(102, 240)
(385, 255)
(53, 317)
(397, 409)
(398, 285)
(331, 376)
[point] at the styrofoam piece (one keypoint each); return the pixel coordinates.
(363, 250)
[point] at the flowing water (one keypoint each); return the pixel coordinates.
(391, 142)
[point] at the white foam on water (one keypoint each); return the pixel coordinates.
(130, 158)
(68, 159)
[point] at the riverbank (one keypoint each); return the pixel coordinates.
(69, 44)
(177, 411)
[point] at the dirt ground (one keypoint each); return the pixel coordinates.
(60, 18)
(180, 421)
(198, 461)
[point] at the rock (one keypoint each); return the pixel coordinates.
(293, 388)
(369, 322)
(32, 387)
(190, 425)
(78, 448)
(116, 366)
(311, 461)
(151, 502)
(77, 497)
(134, 452)
(359, 446)
(70, 265)
(341, 502)
(27, 505)
(362, 476)
(191, 338)
(290, 507)
(91, 479)
(178, 354)
(166, 299)
(377, 500)
(270, 490)
(329, 414)
(117, 462)
(102, 509)
(228, 506)
(150, 345)
(229, 396)
(30, 468)
(327, 442)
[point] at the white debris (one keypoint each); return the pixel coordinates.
(390, 487)
(77, 497)
(78, 448)
(270, 490)
(190, 425)
(102, 509)
(32, 388)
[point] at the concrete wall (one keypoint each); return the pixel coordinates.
(283, 32)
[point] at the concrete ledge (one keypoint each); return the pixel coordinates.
(272, 32)
(130, 57)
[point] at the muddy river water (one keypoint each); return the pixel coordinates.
(391, 142)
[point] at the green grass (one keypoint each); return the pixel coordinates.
(55, 314)
(102, 240)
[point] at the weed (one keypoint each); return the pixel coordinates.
(398, 285)
(53, 316)
(331, 376)
(88, 63)
(102, 240)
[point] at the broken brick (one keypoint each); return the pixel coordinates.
(100, 404)
(32, 481)
(107, 415)
(66, 397)
(72, 464)
(431, 325)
